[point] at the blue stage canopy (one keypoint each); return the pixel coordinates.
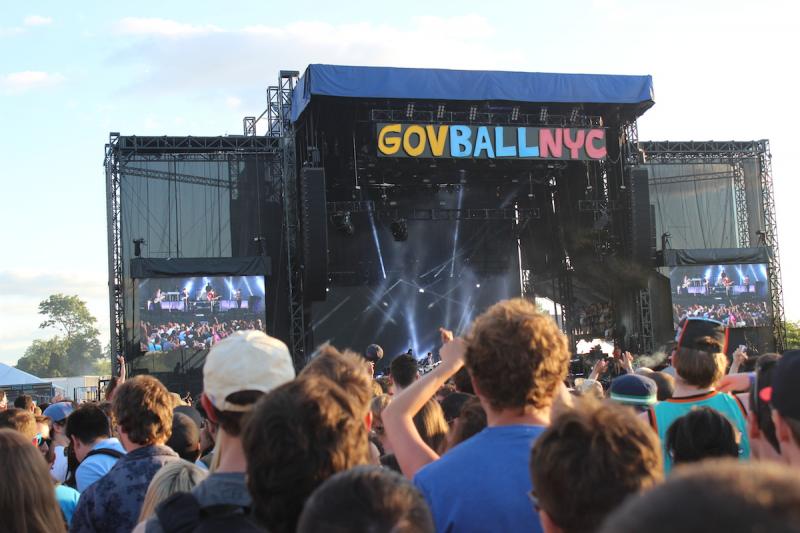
(472, 85)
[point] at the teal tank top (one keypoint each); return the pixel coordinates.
(663, 414)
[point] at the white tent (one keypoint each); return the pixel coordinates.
(11, 376)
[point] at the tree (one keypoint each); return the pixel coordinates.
(68, 314)
(75, 352)
(792, 340)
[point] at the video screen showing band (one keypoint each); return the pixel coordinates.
(176, 313)
(736, 295)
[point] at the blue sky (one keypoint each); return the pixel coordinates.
(70, 72)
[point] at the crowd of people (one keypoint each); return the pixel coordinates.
(490, 439)
(197, 335)
(750, 314)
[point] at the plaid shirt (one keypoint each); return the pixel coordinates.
(112, 503)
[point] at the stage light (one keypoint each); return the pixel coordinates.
(473, 112)
(543, 115)
(137, 247)
(399, 229)
(327, 289)
(477, 285)
(410, 110)
(515, 112)
(440, 111)
(344, 223)
(422, 290)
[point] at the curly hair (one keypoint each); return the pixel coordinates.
(300, 434)
(142, 407)
(516, 355)
(589, 460)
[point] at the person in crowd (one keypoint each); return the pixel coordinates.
(208, 433)
(470, 421)
(366, 499)
(785, 400)
(517, 359)
(300, 434)
(67, 497)
(431, 425)
(702, 433)
(587, 462)
(700, 362)
(404, 372)
(634, 390)
(3, 401)
(185, 438)
(142, 411)
(89, 432)
(377, 405)
(373, 354)
(452, 404)
(173, 478)
(27, 499)
(349, 372)
(462, 381)
(665, 384)
(20, 420)
(719, 495)
(58, 413)
(760, 427)
(238, 371)
(25, 402)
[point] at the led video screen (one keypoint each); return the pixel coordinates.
(736, 295)
(196, 312)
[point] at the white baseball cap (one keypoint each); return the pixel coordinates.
(246, 360)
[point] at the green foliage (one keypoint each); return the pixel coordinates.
(69, 314)
(792, 341)
(73, 353)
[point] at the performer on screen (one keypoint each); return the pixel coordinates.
(185, 299)
(238, 298)
(155, 303)
(211, 296)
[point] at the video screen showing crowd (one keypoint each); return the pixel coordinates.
(736, 295)
(178, 313)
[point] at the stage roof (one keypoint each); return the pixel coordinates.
(470, 85)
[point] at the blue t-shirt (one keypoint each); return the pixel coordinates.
(96, 466)
(483, 483)
(67, 499)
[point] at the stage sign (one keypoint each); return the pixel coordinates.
(490, 142)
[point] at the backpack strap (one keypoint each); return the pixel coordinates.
(105, 451)
(180, 513)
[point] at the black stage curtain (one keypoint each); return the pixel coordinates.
(146, 267)
(716, 256)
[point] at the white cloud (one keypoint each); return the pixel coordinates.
(4, 32)
(162, 27)
(18, 82)
(37, 20)
(232, 102)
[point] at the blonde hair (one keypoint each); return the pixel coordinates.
(27, 499)
(178, 476)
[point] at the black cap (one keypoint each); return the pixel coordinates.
(373, 353)
(692, 330)
(785, 377)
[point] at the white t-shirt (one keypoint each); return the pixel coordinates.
(59, 469)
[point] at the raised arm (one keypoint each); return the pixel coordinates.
(398, 418)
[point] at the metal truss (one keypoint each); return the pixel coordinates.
(115, 281)
(284, 171)
(645, 321)
(368, 206)
(133, 145)
(503, 117)
(249, 126)
(771, 241)
(176, 177)
(734, 153)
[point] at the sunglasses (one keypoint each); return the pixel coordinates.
(38, 440)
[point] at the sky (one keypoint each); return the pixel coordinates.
(71, 72)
